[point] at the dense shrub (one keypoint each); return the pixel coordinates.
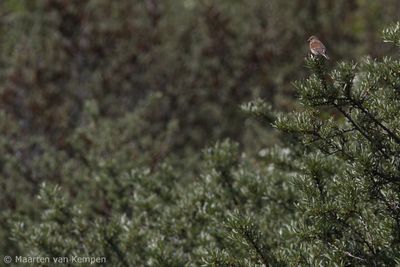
(108, 104)
(328, 196)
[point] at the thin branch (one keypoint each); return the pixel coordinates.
(346, 252)
(388, 131)
(350, 119)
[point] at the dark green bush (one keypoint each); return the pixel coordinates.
(108, 104)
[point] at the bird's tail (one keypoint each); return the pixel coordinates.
(326, 56)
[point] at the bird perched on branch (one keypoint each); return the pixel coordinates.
(317, 48)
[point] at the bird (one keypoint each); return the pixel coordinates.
(317, 47)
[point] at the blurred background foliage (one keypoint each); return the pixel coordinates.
(91, 89)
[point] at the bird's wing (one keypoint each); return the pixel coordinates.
(317, 46)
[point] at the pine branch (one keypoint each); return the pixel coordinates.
(387, 130)
(360, 130)
(346, 252)
(242, 229)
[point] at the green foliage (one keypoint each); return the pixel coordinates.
(105, 107)
(391, 34)
(346, 176)
(155, 221)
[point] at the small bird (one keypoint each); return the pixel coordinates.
(317, 47)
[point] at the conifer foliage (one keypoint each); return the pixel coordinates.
(329, 195)
(347, 170)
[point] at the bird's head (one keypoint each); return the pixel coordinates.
(313, 37)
